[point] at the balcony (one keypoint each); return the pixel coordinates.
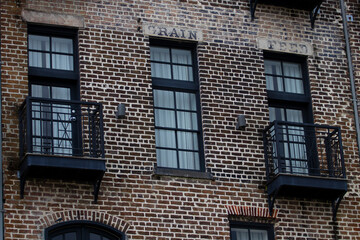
(304, 160)
(312, 6)
(61, 139)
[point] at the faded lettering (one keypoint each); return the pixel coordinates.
(173, 32)
(285, 46)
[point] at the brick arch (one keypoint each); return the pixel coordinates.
(95, 216)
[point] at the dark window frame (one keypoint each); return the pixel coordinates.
(55, 77)
(182, 86)
(52, 31)
(253, 225)
(82, 227)
(292, 100)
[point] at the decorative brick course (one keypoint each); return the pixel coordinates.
(73, 215)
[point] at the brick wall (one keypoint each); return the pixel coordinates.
(115, 68)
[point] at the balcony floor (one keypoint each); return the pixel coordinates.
(308, 5)
(62, 167)
(307, 186)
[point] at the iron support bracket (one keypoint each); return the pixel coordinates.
(271, 201)
(335, 205)
(313, 15)
(253, 4)
(96, 189)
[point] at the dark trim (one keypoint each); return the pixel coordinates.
(175, 43)
(51, 82)
(254, 225)
(160, 171)
(81, 224)
(292, 100)
(50, 31)
(291, 97)
(164, 84)
(182, 86)
(52, 73)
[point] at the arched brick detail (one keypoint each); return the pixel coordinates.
(101, 217)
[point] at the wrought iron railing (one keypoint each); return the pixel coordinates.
(303, 149)
(61, 127)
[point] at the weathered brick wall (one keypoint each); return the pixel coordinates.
(115, 68)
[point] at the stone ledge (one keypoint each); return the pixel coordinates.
(59, 19)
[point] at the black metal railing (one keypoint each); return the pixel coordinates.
(304, 149)
(61, 127)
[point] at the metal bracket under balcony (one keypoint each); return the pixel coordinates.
(304, 160)
(61, 139)
(62, 167)
(313, 6)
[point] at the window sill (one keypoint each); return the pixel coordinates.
(159, 171)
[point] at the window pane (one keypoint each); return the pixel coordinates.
(166, 158)
(294, 115)
(164, 99)
(187, 140)
(70, 236)
(61, 93)
(40, 91)
(294, 86)
(187, 120)
(274, 83)
(292, 70)
(62, 45)
(165, 118)
(273, 67)
(62, 62)
(276, 114)
(258, 234)
(40, 43)
(183, 73)
(239, 234)
(189, 160)
(165, 138)
(59, 237)
(38, 59)
(160, 54)
(185, 101)
(160, 70)
(94, 236)
(181, 56)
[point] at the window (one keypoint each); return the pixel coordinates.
(251, 231)
(53, 82)
(176, 105)
(289, 101)
(82, 230)
(51, 52)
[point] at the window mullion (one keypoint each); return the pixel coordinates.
(51, 53)
(176, 132)
(282, 75)
(171, 64)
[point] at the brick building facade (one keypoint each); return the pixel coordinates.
(188, 157)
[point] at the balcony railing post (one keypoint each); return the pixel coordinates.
(280, 149)
(267, 165)
(22, 130)
(328, 150)
(93, 135)
(29, 125)
(341, 154)
(102, 144)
